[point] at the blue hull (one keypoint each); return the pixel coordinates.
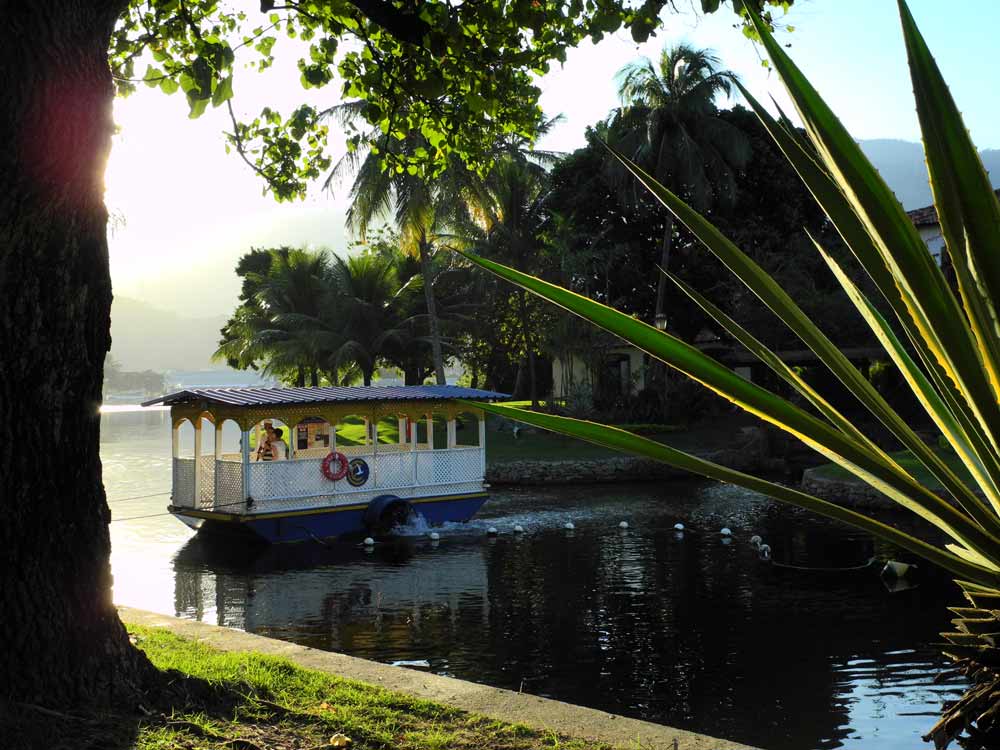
(327, 523)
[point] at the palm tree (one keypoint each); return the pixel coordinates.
(668, 124)
(280, 285)
(359, 315)
(512, 215)
(421, 209)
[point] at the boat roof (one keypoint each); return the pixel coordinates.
(324, 395)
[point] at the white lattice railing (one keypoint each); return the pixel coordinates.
(407, 473)
(300, 482)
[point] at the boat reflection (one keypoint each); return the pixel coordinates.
(326, 596)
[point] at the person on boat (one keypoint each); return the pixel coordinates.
(279, 451)
(264, 450)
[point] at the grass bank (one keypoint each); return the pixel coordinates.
(215, 700)
(908, 462)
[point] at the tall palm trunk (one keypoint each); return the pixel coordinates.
(661, 287)
(63, 644)
(428, 274)
(529, 347)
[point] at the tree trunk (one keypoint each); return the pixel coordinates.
(529, 347)
(313, 377)
(661, 287)
(428, 274)
(300, 377)
(367, 375)
(63, 644)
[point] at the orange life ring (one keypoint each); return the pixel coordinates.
(334, 474)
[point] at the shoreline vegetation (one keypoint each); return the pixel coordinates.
(215, 700)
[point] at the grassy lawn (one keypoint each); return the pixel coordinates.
(244, 701)
(908, 462)
(502, 447)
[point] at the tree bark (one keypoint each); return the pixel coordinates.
(428, 274)
(63, 644)
(661, 287)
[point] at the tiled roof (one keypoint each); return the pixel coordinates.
(927, 216)
(334, 394)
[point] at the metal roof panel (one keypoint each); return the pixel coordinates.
(324, 395)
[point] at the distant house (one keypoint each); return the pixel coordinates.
(926, 221)
(619, 368)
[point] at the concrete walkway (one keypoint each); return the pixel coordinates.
(504, 705)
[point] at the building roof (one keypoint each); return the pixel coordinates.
(328, 395)
(927, 216)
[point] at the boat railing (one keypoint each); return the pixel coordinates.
(299, 482)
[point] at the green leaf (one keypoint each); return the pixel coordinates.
(620, 440)
(775, 363)
(963, 195)
(198, 107)
(168, 86)
(855, 235)
(930, 303)
(928, 396)
(152, 76)
(817, 434)
(901, 487)
(223, 91)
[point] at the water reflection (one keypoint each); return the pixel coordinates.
(685, 630)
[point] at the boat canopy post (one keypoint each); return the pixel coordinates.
(430, 431)
(218, 442)
(452, 432)
(175, 438)
(403, 422)
(482, 441)
(413, 445)
(197, 460)
(245, 462)
(372, 469)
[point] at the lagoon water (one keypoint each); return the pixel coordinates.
(691, 630)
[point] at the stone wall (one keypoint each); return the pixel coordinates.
(616, 469)
(849, 492)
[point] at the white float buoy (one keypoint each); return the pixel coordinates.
(678, 527)
(896, 569)
(726, 531)
(492, 531)
(369, 542)
(434, 536)
(519, 529)
(623, 525)
(569, 526)
(756, 541)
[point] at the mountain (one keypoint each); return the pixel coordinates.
(144, 337)
(901, 164)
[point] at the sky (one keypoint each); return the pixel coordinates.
(184, 210)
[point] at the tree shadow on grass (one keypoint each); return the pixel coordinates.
(177, 711)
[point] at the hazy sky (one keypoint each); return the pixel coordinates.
(188, 209)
